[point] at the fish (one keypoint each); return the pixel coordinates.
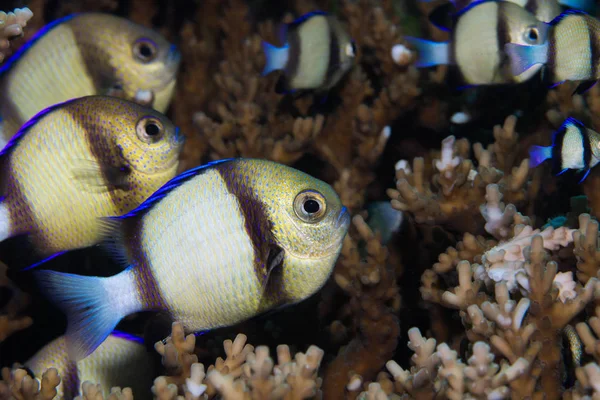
(478, 40)
(385, 219)
(121, 360)
(574, 146)
(217, 245)
(568, 55)
(317, 53)
(66, 59)
(78, 161)
(544, 10)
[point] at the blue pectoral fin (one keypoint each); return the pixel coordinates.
(562, 172)
(539, 154)
(276, 57)
(523, 57)
(430, 53)
(588, 6)
(91, 314)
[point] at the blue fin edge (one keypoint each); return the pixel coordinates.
(564, 15)
(32, 121)
(37, 36)
(169, 186)
(127, 336)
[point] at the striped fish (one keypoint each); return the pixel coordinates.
(78, 161)
(317, 53)
(215, 246)
(478, 40)
(544, 10)
(574, 146)
(121, 360)
(68, 59)
(572, 52)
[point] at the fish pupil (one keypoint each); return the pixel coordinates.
(533, 34)
(152, 129)
(311, 206)
(145, 50)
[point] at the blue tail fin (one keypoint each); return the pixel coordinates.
(430, 53)
(523, 57)
(539, 154)
(91, 311)
(277, 57)
(588, 6)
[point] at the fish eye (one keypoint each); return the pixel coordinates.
(144, 50)
(532, 35)
(149, 130)
(310, 206)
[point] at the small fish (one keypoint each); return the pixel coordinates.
(216, 245)
(385, 219)
(80, 160)
(317, 53)
(544, 10)
(66, 59)
(568, 55)
(478, 41)
(573, 147)
(121, 360)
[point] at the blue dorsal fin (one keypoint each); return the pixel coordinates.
(127, 336)
(573, 121)
(167, 187)
(564, 15)
(27, 125)
(38, 35)
(307, 16)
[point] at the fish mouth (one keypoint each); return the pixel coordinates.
(343, 220)
(178, 138)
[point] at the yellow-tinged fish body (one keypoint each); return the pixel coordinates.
(119, 361)
(216, 245)
(86, 54)
(79, 161)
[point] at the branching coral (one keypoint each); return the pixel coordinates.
(17, 384)
(374, 303)
(451, 193)
(11, 26)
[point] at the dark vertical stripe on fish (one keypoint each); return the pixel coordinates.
(551, 63)
(101, 147)
(147, 286)
(70, 380)
(587, 148)
(259, 228)
(334, 54)
(295, 52)
(533, 5)
(594, 48)
(22, 218)
(502, 37)
(557, 162)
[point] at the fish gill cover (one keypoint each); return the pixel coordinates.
(489, 288)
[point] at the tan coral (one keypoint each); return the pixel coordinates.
(11, 26)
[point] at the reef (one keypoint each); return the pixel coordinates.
(488, 290)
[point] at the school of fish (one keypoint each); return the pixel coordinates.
(89, 158)
(93, 161)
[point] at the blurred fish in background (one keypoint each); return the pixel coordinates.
(544, 10)
(66, 59)
(478, 40)
(78, 161)
(570, 54)
(316, 54)
(574, 146)
(121, 360)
